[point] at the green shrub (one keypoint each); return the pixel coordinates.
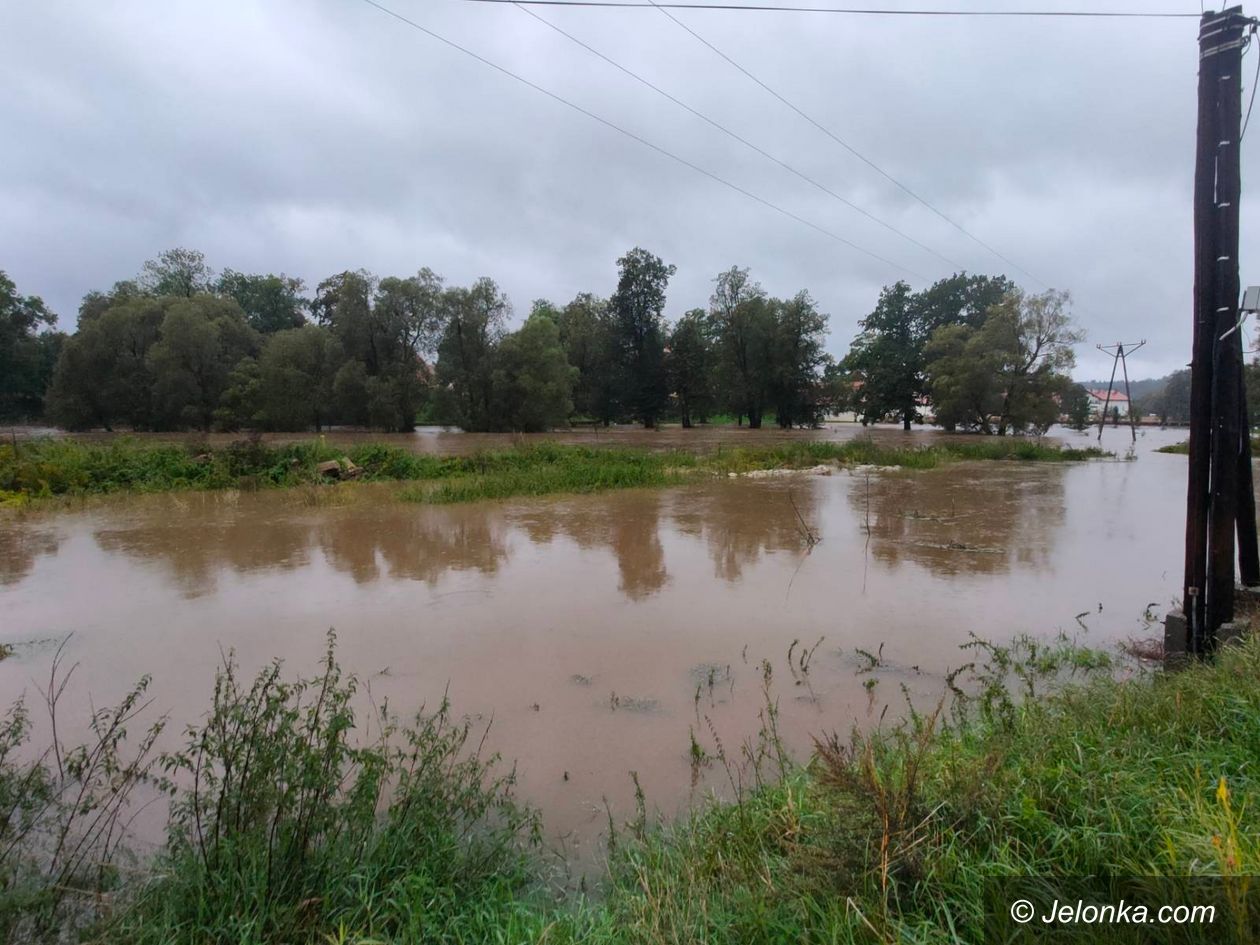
(285, 824)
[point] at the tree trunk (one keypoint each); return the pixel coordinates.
(905, 420)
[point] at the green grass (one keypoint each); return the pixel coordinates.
(1183, 448)
(1046, 762)
(41, 469)
(893, 837)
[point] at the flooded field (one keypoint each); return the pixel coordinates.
(597, 633)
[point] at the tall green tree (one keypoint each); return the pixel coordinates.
(532, 379)
(384, 325)
(28, 352)
(638, 332)
(296, 371)
(888, 358)
(410, 310)
(200, 341)
(797, 360)
(586, 331)
(103, 376)
(179, 271)
(888, 353)
(239, 403)
(964, 367)
(688, 365)
(1045, 339)
(1009, 373)
(1172, 401)
(742, 320)
(343, 304)
(837, 387)
(1076, 407)
(473, 320)
(271, 303)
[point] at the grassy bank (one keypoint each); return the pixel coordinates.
(893, 838)
(1043, 763)
(47, 468)
(1183, 449)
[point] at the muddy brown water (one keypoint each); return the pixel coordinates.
(584, 626)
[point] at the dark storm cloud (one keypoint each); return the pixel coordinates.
(318, 136)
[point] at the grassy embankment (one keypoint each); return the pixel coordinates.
(277, 836)
(1183, 448)
(48, 468)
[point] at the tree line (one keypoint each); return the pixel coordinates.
(181, 347)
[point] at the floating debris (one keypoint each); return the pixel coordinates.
(820, 470)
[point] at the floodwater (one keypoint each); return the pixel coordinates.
(598, 632)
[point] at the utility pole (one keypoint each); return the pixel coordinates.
(1120, 357)
(1219, 437)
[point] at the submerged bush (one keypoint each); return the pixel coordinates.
(288, 820)
(285, 825)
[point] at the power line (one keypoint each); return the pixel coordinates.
(844, 144)
(858, 11)
(744, 141)
(641, 140)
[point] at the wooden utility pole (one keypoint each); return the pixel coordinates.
(1219, 436)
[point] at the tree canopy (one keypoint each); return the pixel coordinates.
(181, 347)
(889, 354)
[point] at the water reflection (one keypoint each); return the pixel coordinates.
(194, 549)
(983, 522)
(413, 546)
(952, 522)
(740, 524)
(20, 547)
(196, 539)
(629, 527)
(255, 533)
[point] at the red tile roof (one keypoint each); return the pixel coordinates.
(1117, 396)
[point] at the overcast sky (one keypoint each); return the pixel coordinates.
(313, 137)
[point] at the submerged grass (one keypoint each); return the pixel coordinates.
(41, 469)
(893, 836)
(1045, 762)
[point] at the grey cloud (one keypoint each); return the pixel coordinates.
(318, 136)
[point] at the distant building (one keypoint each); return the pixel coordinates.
(1118, 401)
